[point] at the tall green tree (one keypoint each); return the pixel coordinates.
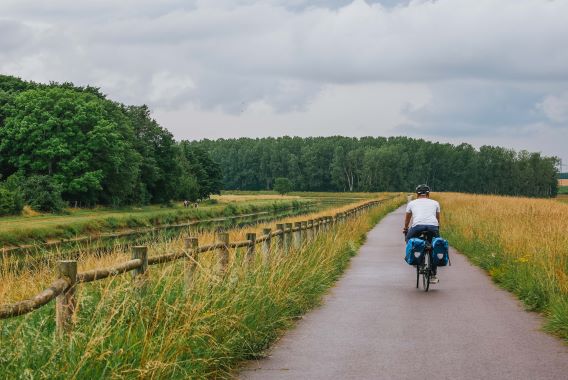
(83, 141)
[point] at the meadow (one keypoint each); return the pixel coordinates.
(521, 242)
(171, 333)
(35, 227)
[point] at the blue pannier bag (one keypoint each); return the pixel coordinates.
(414, 251)
(440, 254)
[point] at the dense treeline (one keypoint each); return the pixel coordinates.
(62, 143)
(380, 164)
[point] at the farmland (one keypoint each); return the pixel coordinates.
(171, 333)
(521, 242)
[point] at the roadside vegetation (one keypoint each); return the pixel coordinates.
(521, 242)
(169, 333)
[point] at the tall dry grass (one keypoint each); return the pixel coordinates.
(171, 331)
(521, 242)
(16, 285)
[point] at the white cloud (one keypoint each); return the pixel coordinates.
(555, 107)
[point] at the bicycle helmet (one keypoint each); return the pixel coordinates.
(422, 189)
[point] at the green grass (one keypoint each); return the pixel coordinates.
(168, 333)
(28, 230)
(563, 190)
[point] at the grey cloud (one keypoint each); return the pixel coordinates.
(490, 65)
(13, 35)
(478, 109)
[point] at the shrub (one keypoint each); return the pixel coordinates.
(43, 193)
(11, 202)
(282, 185)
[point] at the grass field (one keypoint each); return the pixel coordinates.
(521, 242)
(20, 230)
(169, 333)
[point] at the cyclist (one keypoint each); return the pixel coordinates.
(425, 215)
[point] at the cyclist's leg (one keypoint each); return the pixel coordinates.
(435, 230)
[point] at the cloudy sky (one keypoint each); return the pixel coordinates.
(480, 71)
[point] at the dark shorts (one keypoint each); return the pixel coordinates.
(418, 229)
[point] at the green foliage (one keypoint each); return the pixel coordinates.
(563, 190)
(380, 164)
(206, 173)
(282, 185)
(98, 151)
(11, 203)
(43, 193)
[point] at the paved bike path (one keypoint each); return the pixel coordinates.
(375, 324)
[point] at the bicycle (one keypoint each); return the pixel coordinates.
(424, 267)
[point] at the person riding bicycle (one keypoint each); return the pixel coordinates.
(425, 215)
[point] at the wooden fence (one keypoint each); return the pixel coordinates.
(63, 289)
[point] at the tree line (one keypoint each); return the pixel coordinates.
(380, 164)
(61, 143)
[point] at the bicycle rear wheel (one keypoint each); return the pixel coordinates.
(426, 272)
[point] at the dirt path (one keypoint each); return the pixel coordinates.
(376, 325)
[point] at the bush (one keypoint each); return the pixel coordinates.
(43, 193)
(11, 202)
(282, 185)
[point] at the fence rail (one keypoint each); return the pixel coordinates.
(288, 237)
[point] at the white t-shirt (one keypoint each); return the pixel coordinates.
(423, 211)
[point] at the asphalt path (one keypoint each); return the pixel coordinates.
(374, 324)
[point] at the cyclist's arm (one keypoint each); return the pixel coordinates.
(407, 221)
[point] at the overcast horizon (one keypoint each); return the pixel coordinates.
(484, 72)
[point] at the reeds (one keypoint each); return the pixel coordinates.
(521, 242)
(173, 331)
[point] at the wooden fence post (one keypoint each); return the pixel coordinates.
(223, 251)
(191, 243)
(304, 236)
(266, 243)
(310, 230)
(288, 237)
(281, 237)
(65, 302)
(140, 252)
(138, 274)
(252, 247)
(298, 235)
